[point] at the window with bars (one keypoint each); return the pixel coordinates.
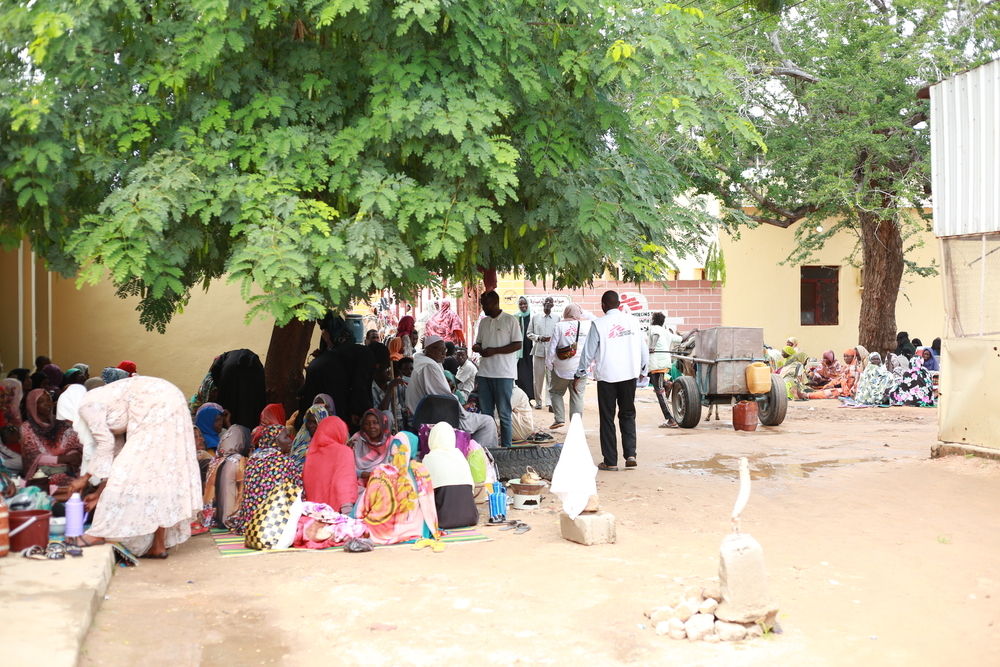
(818, 295)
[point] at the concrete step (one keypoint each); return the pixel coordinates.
(47, 606)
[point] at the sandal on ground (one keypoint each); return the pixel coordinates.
(161, 556)
(84, 541)
(604, 466)
(630, 462)
(668, 424)
(522, 529)
(557, 425)
(511, 525)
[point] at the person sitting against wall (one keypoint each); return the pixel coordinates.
(844, 384)
(48, 444)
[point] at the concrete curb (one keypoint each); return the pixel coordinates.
(958, 449)
(48, 606)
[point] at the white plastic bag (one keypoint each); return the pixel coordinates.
(575, 476)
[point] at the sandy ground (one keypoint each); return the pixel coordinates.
(877, 555)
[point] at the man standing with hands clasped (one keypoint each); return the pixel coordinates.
(617, 349)
(540, 332)
(498, 340)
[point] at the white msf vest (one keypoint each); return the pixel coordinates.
(619, 355)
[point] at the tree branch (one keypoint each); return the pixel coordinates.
(787, 67)
(788, 217)
(881, 6)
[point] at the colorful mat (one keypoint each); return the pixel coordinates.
(231, 545)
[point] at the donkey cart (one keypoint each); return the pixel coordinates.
(720, 360)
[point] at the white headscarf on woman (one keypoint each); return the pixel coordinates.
(573, 312)
(445, 462)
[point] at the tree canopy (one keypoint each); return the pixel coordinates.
(318, 150)
(833, 88)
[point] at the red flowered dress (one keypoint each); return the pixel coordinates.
(58, 439)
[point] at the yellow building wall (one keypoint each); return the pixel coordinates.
(760, 291)
(92, 326)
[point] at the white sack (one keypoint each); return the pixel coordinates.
(575, 476)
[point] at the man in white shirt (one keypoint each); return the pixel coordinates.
(540, 333)
(428, 378)
(466, 375)
(618, 350)
(498, 340)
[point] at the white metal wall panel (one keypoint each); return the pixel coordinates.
(965, 152)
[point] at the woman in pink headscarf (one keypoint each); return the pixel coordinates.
(444, 323)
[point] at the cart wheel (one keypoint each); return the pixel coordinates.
(686, 402)
(775, 404)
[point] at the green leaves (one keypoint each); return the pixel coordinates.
(318, 150)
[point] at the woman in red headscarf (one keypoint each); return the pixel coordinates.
(272, 414)
(328, 475)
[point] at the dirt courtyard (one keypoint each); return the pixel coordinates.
(876, 554)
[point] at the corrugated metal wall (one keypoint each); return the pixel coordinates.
(965, 152)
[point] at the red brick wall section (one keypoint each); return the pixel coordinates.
(696, 303)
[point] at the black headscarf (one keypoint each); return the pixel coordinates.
(904, 346)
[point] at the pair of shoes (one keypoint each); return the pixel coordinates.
(519, 527)
(630, 462)
(604, 466)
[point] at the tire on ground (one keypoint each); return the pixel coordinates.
(686, 402)
(772, 411)
(512, 461)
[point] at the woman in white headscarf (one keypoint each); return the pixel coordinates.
(563, 358)
(451, 478)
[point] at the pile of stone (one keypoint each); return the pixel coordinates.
(701, 614)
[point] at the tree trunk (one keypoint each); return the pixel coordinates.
(286, 356)
(882, 254)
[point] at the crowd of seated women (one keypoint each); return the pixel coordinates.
(370, 484)
(862, 378)
(38, 411)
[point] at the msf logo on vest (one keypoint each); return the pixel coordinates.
(618, 331)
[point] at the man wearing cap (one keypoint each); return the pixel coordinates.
(617, 348)
(498, 340)
(428, 378)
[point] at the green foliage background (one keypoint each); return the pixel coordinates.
(318, 150)
(832, 87)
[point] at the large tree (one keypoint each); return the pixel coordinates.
(316, 151)
(833, 88)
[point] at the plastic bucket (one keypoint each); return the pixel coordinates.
(356, 325)
(758, 378)
(36, 533)
(745, 416)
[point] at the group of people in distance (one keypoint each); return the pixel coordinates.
(862, 378)
(151, 465)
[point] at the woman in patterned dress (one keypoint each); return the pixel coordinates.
(266, 468)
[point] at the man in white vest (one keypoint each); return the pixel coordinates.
(618, 351)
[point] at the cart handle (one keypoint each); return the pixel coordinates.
(716, 361)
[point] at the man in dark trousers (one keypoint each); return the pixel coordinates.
(620, 357)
